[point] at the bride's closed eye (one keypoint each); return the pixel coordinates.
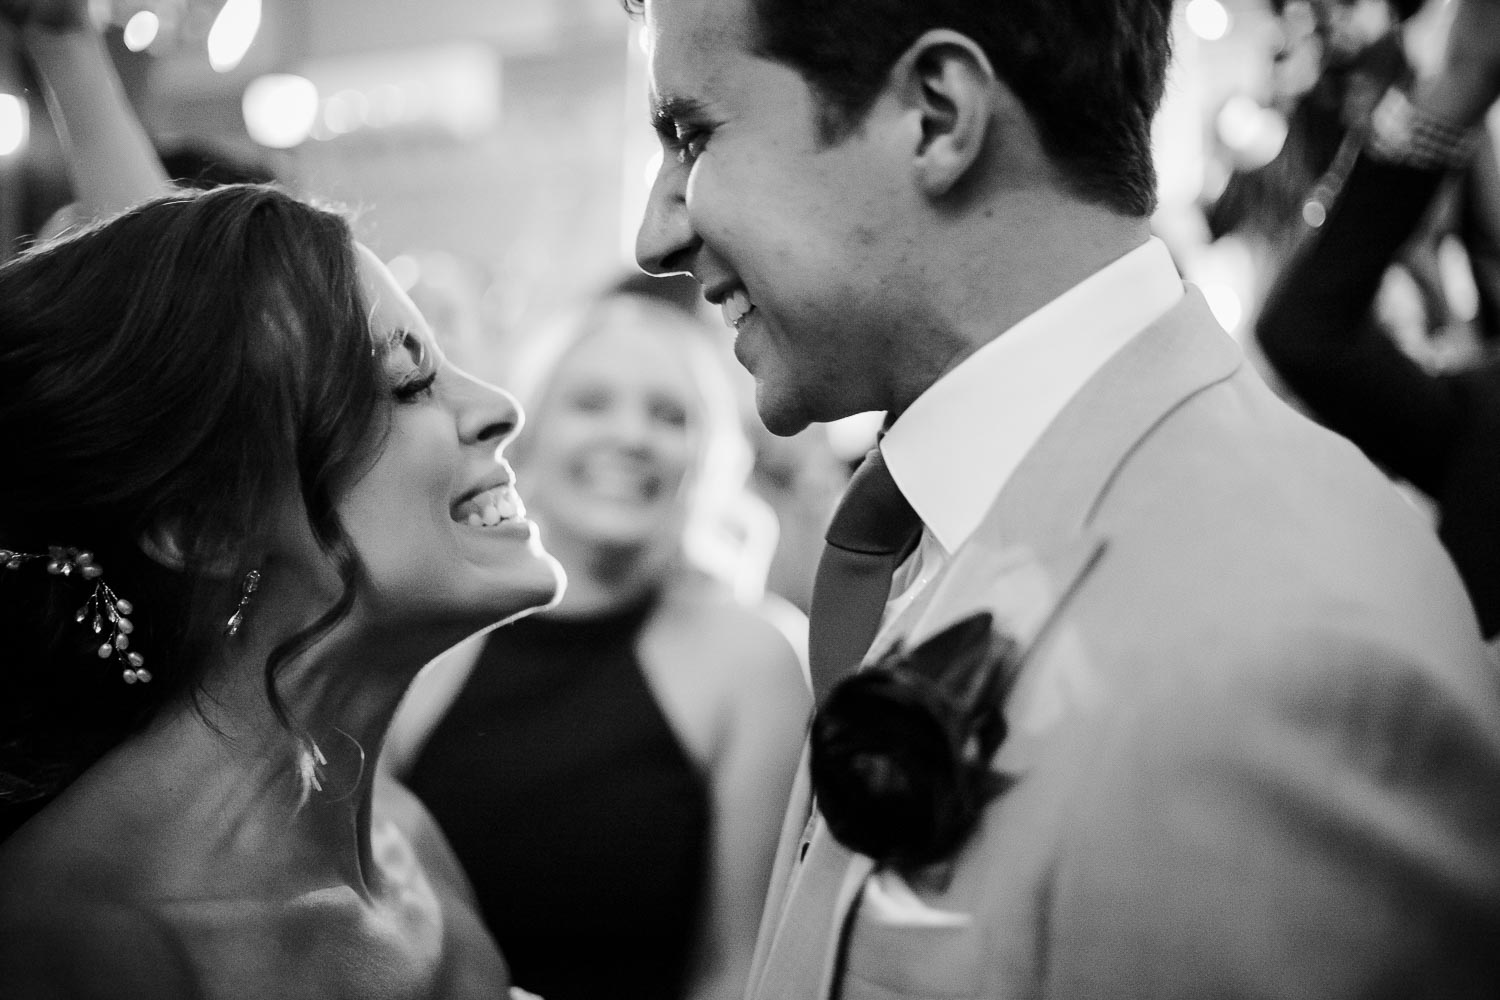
(412, 368)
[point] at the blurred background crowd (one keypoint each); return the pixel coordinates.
(496, 151)
(497, 154)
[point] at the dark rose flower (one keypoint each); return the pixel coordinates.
(901, 749)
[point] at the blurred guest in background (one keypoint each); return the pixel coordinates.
(1358, 49)
(111, 162)
(799, 477)
(186, 164)
(612, 773)
(1333, 53)
(1438, 430)
(734, 534)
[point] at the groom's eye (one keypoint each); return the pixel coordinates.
(688, 142)
(673, 119)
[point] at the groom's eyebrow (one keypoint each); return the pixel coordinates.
(666, 112)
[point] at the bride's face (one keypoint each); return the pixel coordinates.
(437, 519)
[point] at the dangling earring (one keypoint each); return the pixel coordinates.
(247, 591)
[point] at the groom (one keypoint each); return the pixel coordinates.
(1252, 740)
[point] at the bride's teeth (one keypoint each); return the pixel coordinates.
(485, 510)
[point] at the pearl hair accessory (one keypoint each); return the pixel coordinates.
(104, 606)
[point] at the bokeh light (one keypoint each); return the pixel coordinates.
(1208, 19)
(141, 29)
(279, 109)
(233, 33)
(1224, 302)
(1255, 134)
(15, 122)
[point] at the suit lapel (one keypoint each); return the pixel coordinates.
(1058, 485)
(1022, 588)
(1029, 556)
(802, 951)
(1030, 549)
(816, 878)
(795, 829)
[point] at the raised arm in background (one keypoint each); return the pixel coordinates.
(1439, 431)
(110, 159)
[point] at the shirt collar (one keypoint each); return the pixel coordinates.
(945, 451)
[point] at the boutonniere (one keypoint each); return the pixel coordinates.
(901, 750)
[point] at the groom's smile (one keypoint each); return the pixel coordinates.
(800, 240)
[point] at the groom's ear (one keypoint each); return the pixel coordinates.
(960, 107)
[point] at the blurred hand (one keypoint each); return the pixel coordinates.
(55, 15)
(1467, 80)
(1473, 52)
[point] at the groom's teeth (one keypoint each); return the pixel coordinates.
(507, 505)
(475, 521)
(735, 308)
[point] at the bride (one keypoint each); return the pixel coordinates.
(246, 499)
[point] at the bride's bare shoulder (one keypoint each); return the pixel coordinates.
(100, 898)
(59, 940)
(406, 837)
(68, 926)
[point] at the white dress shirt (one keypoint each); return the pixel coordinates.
(956, 446)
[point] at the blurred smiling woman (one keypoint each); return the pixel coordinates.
(612, 773)
(239, 480)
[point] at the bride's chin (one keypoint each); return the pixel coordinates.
(559, 584)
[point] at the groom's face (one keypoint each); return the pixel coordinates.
(792, 236)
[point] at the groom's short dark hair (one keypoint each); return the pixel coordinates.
(1090, 72)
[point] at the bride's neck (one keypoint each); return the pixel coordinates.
(296, 786)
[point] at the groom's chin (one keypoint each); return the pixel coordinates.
(780, 419)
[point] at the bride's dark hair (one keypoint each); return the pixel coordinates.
(173, 370)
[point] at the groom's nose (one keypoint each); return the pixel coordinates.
(666, 240)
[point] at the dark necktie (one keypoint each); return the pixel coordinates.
(871, 532)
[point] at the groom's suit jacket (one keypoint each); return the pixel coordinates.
(1254, 746)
